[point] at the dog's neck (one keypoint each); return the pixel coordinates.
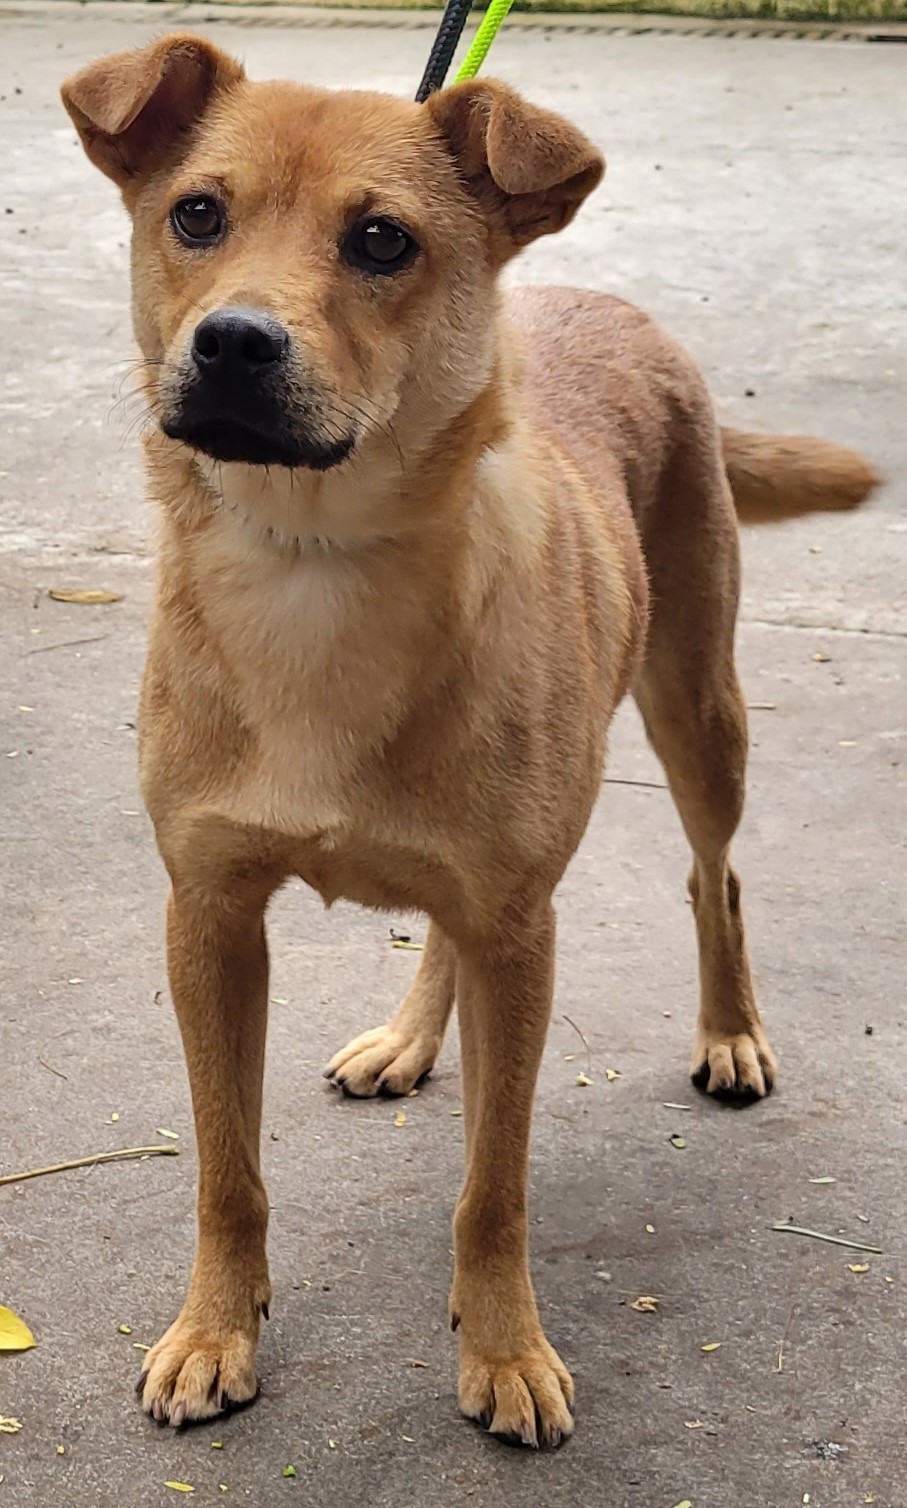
(405, 481)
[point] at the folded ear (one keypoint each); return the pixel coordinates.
(132, 108)
(529, 169)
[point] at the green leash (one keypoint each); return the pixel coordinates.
(481, 42)
(445, 44)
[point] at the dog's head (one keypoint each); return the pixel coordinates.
(310, 266)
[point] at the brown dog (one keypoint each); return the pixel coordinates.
(415, 548)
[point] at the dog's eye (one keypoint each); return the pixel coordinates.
(199, 220)
(380, 245)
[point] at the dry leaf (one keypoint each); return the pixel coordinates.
(9, 1426)
(91, 596)
(179, 1486)
(650, 1230)
(712, 1345)
(823, 1180)
(125, 1329)
(583, 1081)
(820, 658)
(645, 1304)
(162, 1131)
(611, 1074)
(693, 1424)
(399, 1119)
(684, 1504)
(858, 1267)
(407, 947)
(678, 1142)
(138, 1346)
(14, 1333)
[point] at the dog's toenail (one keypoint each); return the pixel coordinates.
(140, 1385)
(157, 1410)
(178, 1416)
(266, 1311)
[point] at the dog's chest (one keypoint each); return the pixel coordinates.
(321, 675)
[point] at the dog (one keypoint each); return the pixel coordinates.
(418, 538)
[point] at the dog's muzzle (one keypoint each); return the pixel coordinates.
(236, 399)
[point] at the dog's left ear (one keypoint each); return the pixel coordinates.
(529, 169)
(133, 109)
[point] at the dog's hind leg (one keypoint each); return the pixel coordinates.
(695, 717)
(392, 1059)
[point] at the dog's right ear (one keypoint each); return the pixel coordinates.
(131, 108)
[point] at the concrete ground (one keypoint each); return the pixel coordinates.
(755, 204)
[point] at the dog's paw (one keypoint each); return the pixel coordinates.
(525, 1400)
(387, 1060)
(735, 1066)
(190, 1376)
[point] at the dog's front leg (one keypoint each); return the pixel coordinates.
(218, 969)
(511, 1380)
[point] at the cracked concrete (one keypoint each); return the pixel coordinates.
(755, 204)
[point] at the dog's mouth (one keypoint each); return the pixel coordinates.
(230, 439)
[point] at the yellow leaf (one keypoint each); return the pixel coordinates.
(217, 1444)
(611, 1074)
(685, 1504)
(138, 1346)
(713, 1345)
(650, 1230)
(406, 947)
(9, 1426)
(173, 1135)
(125, 1329)
(399, 1119)
(858, 1266)
(179, 1486)
(678, 1142)
(61, 1450)
(645, 1304)
(14, 1333)
(90, 596)
(583, 1081)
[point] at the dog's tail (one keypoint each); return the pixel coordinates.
(774, 477)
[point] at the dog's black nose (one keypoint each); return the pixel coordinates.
(237, 341)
